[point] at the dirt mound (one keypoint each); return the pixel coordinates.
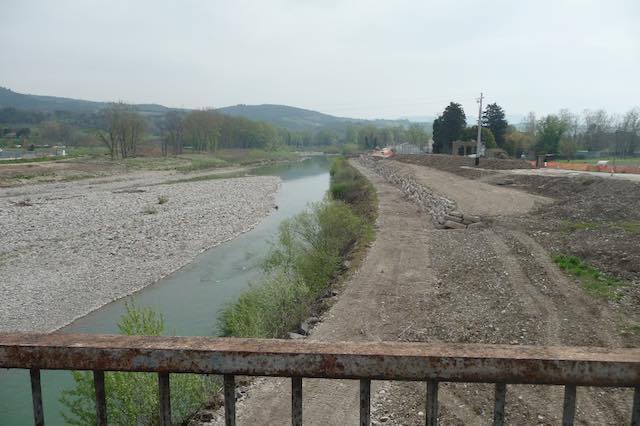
(451, 162)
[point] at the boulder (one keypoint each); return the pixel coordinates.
(471, 218)
(455, 213)
(295, 336)
(452, 218)
(454, 225)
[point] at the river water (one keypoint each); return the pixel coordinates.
(189, 299)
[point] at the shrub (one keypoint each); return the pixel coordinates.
(132, 398)
(162, 199)
(306, 259)
(310, 251)
(150, 210)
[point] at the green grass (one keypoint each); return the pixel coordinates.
(201, 163)
(31, 160)
(631, 227)
(581, 226)
(594, 281)
(212, 176)
(306, 261)
(245, 157)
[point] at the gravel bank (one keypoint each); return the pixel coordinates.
(67, 249)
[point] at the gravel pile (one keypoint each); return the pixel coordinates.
(73, 247)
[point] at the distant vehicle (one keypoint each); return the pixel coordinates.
(383, 153)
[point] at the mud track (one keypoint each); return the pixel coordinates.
(418, 283)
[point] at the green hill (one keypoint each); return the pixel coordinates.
(9, 98)
(293, 118)
(284, 116)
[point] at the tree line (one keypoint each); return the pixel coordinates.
(564, 133)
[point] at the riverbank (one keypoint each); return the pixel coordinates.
(68, 248)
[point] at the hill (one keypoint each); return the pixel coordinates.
(9, 98)
(293, 118)
(288, 117)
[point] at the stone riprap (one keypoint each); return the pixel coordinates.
(442, 210)
(67, 249)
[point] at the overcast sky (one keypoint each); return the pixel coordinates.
(366, 59)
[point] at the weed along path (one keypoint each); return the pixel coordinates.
(486, 284)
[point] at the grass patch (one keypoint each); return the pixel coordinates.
(631, 227)
(594, 281)
(255, 156)
(150, 210)
(306, 261)
(213, 176)
(163, 199)
(349, 186)
(581, 226)
(31, 160)
(201, 163)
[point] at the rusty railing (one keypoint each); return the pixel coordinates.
(431, 363)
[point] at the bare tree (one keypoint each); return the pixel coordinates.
(172, 129)
(124, 130)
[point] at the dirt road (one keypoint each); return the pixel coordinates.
(418, 283)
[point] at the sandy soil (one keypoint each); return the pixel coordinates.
(69, 248)
(417, 283)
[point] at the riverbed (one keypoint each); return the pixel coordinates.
(189, 298)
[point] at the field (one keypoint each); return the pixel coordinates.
(83, 163)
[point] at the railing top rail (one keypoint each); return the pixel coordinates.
(355, 360)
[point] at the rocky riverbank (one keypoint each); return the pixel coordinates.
(67, 249)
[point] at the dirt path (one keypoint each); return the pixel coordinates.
(417, 283)
(473, 196)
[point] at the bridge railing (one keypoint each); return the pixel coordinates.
(432, 363)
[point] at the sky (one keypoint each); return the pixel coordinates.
(365, 59)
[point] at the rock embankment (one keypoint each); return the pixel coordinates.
(73, 247)
(443, 211)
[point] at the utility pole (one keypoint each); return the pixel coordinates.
(479, 139)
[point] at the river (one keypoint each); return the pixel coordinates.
(189, 299)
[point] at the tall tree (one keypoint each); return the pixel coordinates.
(448, 127)
(471, 134)
(494, 119)
(550, 131)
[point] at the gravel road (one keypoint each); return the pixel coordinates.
(68, 248)
(418, 283)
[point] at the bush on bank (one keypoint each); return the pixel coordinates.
(132, 398)
(307, 258)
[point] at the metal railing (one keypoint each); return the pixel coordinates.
(431, 363)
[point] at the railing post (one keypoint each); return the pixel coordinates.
(229, 400)
(164, 390)
(635, 411)
(101, 399)
(498, 409)
(365, 402)
(432, 403)
(569, 405)
(36, 396)
(296, 401)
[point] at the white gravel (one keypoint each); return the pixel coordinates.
(77, 247)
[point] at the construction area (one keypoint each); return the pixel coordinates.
(528, 259)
